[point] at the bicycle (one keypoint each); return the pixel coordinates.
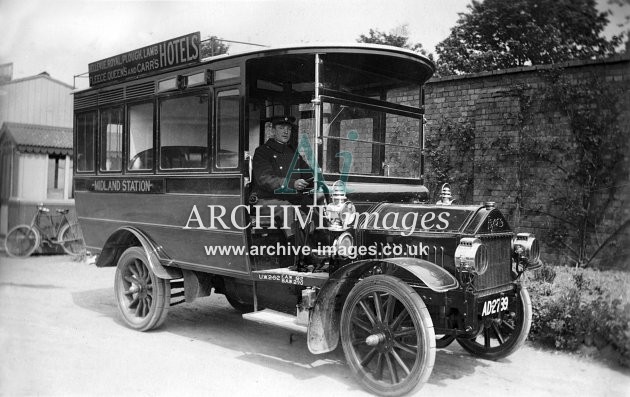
(23, 240)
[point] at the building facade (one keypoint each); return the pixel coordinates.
(35, 147)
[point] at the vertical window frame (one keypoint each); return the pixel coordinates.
(127, 137)
(95, 137)
(102, 160)
(215, 135)
(158, 131)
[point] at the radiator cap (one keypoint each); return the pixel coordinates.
(489, 205)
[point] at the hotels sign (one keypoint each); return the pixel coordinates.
(174, 52)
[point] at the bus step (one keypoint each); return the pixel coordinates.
(278, 319)
(285, 276)
(177, 284)
(179, 302)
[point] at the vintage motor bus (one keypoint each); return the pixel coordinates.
(163, 169)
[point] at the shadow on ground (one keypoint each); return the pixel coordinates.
(214, 321)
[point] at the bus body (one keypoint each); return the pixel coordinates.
(163, 168)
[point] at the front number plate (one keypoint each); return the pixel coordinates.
(494, 306)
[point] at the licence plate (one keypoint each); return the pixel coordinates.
(494, 306)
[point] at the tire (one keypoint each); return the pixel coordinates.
(502, 334)
(387, 336)
(443, 341)
(22, 241)
(143, 298)
(239, 306)
(70, 239)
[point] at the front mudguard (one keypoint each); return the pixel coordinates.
(323, 329)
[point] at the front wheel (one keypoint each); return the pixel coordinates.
(22, 241)
(387, 336)
(143, 298)
(504, 333)
(70, 239)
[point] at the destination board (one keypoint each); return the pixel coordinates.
(179, 51)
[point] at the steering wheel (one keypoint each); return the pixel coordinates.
(311, 189)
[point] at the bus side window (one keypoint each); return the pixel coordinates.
(111, 139)
(184, 132)
(227, 129)
(86, 141)
(140, 137)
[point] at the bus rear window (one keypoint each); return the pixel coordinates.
(184, 132)
(86, 139)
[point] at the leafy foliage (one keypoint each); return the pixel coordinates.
(213, 46)
(588, 175)
(576, 308)
(600, 144)
(498, 34)
(449, 157)
(570, 128)
(398, 37)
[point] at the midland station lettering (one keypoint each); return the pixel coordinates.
(182, 50)
(122, 186)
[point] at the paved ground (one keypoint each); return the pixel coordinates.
(60, 334)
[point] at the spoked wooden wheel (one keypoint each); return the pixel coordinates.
(143, 298)
(387, 336)
(503, 333)
(22, 241)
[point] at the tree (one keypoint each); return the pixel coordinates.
(499, 34)
(398, 37)
(213, 46)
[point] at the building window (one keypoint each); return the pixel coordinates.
(111, 139)
(56, 176)
(140, 137)
(184, 132)
(86, 138)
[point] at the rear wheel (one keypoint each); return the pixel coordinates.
(387, 336)
(238, 305)
(22, 241)
(504, 333)
(70, 239)
(143, 298)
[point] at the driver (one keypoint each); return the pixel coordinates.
(271, 165)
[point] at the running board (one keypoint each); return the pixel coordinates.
(278, 319)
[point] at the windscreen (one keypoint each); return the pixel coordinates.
(359, 140)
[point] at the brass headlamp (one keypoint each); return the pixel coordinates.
(471, 256)
(526, 247)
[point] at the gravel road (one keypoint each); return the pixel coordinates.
(60, 334)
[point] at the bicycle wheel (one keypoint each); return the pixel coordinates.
(22, 241)
(70, 239)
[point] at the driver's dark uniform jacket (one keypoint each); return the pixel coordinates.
(271, 164)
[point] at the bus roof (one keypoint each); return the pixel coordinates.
(417, 66)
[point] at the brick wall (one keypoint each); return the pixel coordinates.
(504, 110)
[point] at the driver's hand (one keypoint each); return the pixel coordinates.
(300, 184)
